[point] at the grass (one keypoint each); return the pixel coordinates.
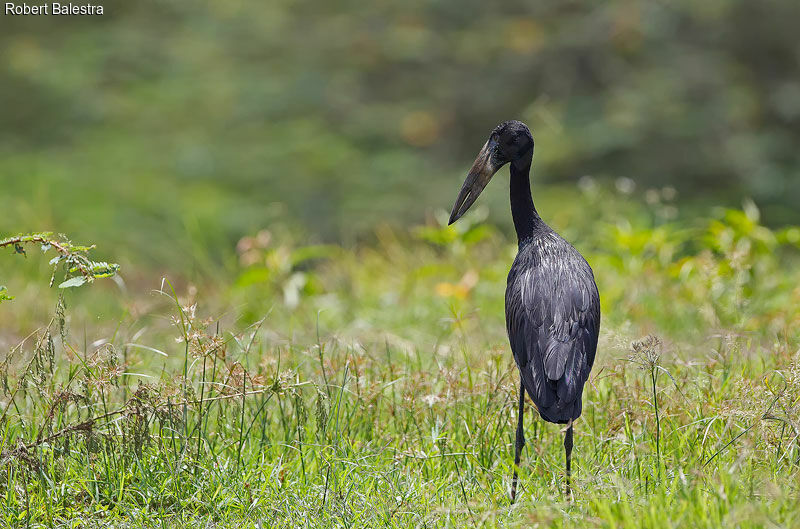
(373, 387)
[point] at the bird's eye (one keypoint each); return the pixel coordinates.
(495, 137)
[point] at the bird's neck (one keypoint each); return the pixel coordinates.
(526, 218)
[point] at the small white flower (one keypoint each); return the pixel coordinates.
(430, 400)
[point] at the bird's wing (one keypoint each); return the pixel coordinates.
(553, 320)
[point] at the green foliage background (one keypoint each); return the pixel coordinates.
(212, 120)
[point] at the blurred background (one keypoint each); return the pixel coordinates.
(169, 130)
(280, 172)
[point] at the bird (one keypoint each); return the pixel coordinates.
(552, 304)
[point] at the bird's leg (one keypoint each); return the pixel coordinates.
(568, 452)
(519, 442)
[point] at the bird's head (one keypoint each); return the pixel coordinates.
(511, 141)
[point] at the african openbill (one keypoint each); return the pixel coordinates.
(552, 304)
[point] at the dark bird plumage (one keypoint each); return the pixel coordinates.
(552, 303)
(552, 318)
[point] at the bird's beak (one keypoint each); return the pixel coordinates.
(482, 171)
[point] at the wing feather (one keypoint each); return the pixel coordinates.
(553, 318)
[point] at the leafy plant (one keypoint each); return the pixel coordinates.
(4, 294)
(71, 258)
(280, 269)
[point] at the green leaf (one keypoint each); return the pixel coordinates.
(306, 253)
(4, 294)
(253, 276)
(73, 282)
(103, 269)
(84, 249)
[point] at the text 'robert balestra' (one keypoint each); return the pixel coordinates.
(53, 8)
